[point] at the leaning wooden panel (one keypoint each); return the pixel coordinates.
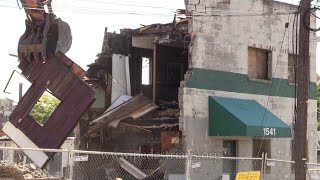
(75, 98)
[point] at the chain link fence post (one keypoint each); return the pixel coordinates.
(71, 163)
(305, 165)
(262, 166)
(188, 168)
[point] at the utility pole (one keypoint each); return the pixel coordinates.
(303, 79)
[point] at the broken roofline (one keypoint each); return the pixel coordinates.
(180, 26)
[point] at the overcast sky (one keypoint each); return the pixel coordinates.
(87, 19)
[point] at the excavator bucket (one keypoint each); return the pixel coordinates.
(43, 39)
(64, 39)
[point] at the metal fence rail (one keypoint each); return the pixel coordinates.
(126, 166)
(91, 165)
(206, 167)
(278, 169)
(16, 158)
(313, 171)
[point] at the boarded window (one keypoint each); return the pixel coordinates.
(259, 64)
(292, 59)
(260, 146)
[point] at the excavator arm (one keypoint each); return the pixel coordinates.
(35, 9)
(43, 62)
(45, 34)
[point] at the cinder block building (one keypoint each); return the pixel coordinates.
(239, 93)
(220, 82)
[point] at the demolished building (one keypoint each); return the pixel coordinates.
(137, 78)
(217, 83)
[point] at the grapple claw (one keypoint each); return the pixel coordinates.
(44, 39)
(36, 57)
(27, 55)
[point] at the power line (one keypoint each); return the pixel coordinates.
(113, 3)
(131, 5)
(277, 90)
(95, 11)
(124, 1)
(108, 12)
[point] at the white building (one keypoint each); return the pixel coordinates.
(238, 99)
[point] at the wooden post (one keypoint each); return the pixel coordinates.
(20, 91)
(303, 79)
(154, 73)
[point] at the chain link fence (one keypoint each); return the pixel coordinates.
(89, 165)
(16, 159)
(278, 169)
(313, 171)
(222, 168)
(111, 166)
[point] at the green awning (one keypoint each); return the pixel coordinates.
(240, 117)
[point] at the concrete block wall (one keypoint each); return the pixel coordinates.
(221, 43)
(196, 123)
(196, 128)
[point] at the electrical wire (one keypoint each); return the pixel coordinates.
(112, 4)
(277, 89)
(101, 11)
(122, 4)
(306, 14)
(296, 15)
(123, 1)
(128, 5)
(270, 91)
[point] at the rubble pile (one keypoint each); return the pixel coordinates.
(29, 171)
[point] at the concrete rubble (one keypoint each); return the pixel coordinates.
(29, 171)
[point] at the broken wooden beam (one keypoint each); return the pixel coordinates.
(131, 108)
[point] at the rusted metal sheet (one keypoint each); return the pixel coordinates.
(168, 139)
(75, 97)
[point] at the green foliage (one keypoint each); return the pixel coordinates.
(44, 108)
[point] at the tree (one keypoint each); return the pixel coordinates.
(44, 108)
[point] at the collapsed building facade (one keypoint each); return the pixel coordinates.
(207, 84)
(137, 78)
